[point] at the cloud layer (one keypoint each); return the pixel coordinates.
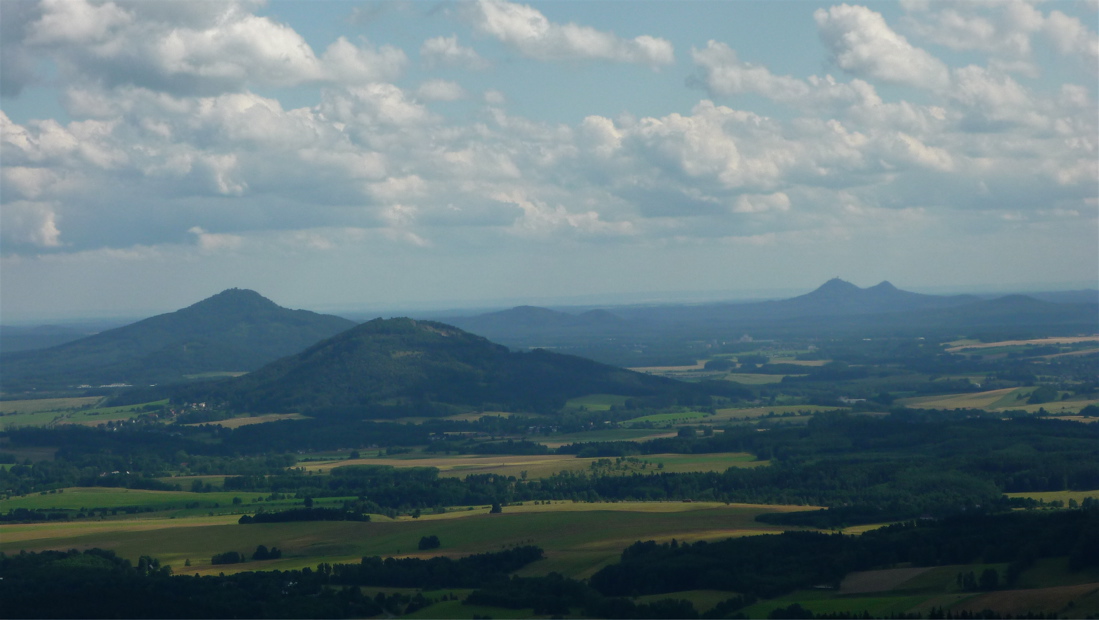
(177, 139)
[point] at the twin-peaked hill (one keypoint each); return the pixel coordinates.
(398, 367)
(236, 330)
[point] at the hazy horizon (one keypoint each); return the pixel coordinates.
(402, 155)
(443, 307)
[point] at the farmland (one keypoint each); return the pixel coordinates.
(578, 538)
(883, 440)
(541, 466)
(56, 411)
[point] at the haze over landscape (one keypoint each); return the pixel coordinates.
(485, 309)
(338, 155)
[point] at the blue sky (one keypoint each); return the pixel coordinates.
(404, 154)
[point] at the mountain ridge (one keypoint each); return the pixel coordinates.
(234, 330)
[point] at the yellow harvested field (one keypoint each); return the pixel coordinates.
(1012, 343)
(26, 532)
(799, 362)
(541, 466)
(259, 419)
(978, 400)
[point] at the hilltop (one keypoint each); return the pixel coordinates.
(237, 330)
(397, 367)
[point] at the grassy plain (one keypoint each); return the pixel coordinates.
(54, 411)
(8, 407)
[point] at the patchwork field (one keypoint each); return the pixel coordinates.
(542, 466)
(1005, 399)
(882, 593)
(579, 538)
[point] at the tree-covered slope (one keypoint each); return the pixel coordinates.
(400, 366)
(235, 330)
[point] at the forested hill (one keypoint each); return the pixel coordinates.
(397, 367)
(235, 330)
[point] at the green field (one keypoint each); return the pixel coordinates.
(54, 411)
(166, 503)
(752, 413)
(670, 418)
(754, 379)
(8, 407)
(579, 538)
(597, 402)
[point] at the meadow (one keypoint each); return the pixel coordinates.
(54, 411)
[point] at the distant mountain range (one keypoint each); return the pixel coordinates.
(234, 331)
(241, 331)
(389, 368)
(837, 308)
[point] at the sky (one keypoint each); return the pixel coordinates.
(424, 154)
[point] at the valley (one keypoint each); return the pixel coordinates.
(840, 461)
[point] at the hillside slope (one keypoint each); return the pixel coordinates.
(397, 367)
(235, 330)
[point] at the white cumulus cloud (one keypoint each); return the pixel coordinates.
(447, 52)
(862, 43)
(527, 30)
